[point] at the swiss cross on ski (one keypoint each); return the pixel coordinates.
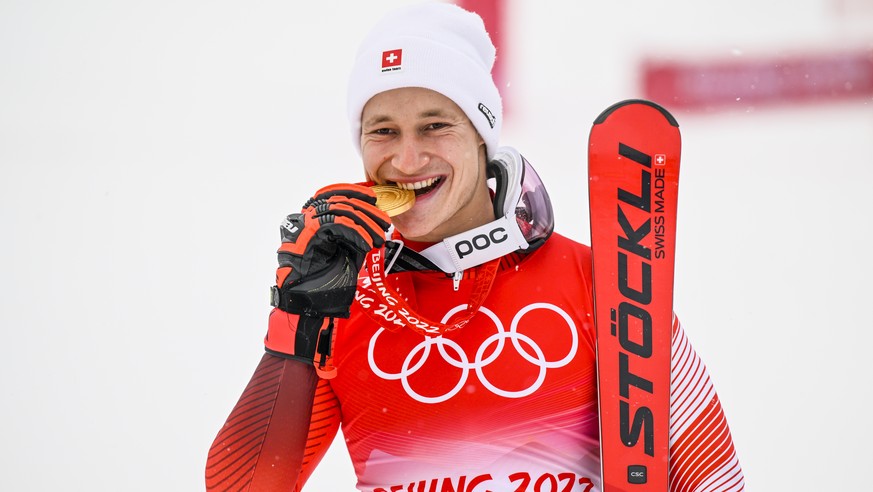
(633, 165)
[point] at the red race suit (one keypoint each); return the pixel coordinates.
(506, 403)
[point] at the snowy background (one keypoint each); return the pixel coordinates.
(149, 150)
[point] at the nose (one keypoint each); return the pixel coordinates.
(411, 155)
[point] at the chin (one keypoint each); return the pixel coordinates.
(412, 225)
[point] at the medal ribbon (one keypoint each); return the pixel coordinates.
(387, 307)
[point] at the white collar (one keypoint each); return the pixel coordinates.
(477, 246)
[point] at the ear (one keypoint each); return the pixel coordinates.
(483, 155)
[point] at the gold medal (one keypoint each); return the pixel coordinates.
(393, 200)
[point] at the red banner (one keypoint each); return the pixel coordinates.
(493, 13)
(742, 82)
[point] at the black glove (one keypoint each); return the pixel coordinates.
(323, 249)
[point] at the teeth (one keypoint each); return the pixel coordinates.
(417, 185)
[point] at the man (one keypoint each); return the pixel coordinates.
(458, 354)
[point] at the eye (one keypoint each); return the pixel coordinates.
(436, 126)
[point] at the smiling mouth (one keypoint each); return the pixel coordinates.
(421, 187)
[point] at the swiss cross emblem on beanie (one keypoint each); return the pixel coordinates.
(392, 60)
(437, 46)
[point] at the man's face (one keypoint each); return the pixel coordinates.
(418, 138)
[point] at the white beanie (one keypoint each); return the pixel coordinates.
(437, 46)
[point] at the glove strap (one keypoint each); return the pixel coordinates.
(310, 298)
(324, 351)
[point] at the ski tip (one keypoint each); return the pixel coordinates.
(608, 111)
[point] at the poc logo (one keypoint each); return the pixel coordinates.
(480, 242)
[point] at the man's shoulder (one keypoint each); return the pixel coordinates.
(560, 252)
(558, 241)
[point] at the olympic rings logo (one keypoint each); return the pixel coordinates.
(454, 355)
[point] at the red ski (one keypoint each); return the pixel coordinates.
(633, 180)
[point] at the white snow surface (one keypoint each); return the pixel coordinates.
(149, 150)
